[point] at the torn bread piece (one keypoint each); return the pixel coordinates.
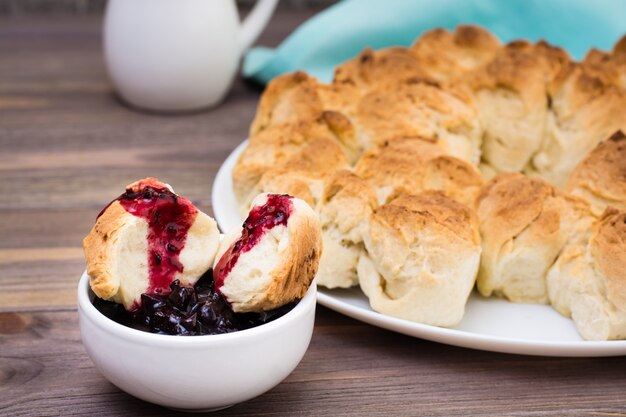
(144, 240)
(273, 259)
(588, 282)
(422, 258)
(600, 178)
(345, 208)
(524, 224)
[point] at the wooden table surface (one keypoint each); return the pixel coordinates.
(67, 147)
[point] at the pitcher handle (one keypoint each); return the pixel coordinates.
(256, 21)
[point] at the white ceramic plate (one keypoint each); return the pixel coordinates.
(489, 323)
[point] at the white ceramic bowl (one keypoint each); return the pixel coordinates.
(196, 373)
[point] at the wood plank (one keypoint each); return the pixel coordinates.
(45, 371)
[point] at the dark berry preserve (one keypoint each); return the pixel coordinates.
(187, 311)
(274, 212)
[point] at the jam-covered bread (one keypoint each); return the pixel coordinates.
(144, 240)
(273, 259)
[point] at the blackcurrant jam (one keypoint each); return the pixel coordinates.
(187, 311)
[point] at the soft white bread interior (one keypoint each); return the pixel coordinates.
(279, 266)
(117, 255)
(344, 210)
(588, 281)
(408, 271)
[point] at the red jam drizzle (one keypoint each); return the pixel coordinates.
(169, 218)
(274, 212)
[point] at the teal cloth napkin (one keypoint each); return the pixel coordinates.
(343, 30)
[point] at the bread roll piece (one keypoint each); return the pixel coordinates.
(614, 63)
(344, 210)
(512, 98)
(600, 178)
(273, 259)
(428, 110)
(447, 56)
(410, 166)
(409, 272)
(146, 239)
(382, 69)
(586, 108)
(524, 224)
(302, 175)
(589, 281)
(288, 98)
(306, 142)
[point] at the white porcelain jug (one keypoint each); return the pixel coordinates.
(177, 55)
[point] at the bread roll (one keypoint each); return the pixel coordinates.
(600, 178)
(344, 210)
(382, 69)
(512, 98)
(301, 175)
(288, 98)
(524, 224)
(146, 239)
(283, 145)
(421, 109)
(409, 272)
(410, 166)
(589, 280)
(586, 108)
(273, 259)
(448, 56)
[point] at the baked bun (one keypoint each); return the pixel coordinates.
(590, 281)
(586, 108)
(600, 178)
(302, 175)
(345, 208)
(385, 69)
(421, 109)
(524, 224)
(410, 166)
(146, 239)
(511, 95)
(408, 271)
(289, 98)
(273, 259)
(286, 145)
(446, 55)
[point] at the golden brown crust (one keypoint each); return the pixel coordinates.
(409, 166)
(509, 203)
(346, 183)
(289, 98)
(98, 246)
(305, 144)
(601, 176)
(292, 278)
(420, 109)
(608, 247)
(408, 214)
(384, 68)
(449, 55)
(299, 174)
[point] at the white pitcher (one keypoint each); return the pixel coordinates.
(177, 55)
